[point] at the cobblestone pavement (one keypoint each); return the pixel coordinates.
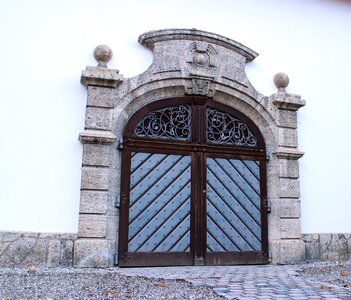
(249, 282)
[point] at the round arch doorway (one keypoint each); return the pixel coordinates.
(193, 187)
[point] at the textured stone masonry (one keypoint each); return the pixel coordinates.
(327, 246)
(24, 249)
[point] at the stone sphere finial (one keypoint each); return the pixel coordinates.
(281, 81)
(103, 55)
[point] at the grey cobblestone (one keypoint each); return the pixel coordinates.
(249, 282)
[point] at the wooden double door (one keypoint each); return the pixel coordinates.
(193, 187)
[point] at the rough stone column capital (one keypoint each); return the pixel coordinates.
(287, 101)
(100, 76)
(97, 137)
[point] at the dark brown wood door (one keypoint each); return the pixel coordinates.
(193, 188)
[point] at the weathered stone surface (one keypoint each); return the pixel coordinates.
(54, 253)
(97, 137)
(333, 246)
(281, 81)
(292, 251)
(312, 248)
(290, 228)
(289, 188)
(287, 101)
(95, 178)
(275, 251)
(93, 202)
(92, 225)
(287, 137)
(103, 54)
(96, 155)
(289, 168)
(98, 118)
(288, 153)
(275, 229)
(290, 208)
(100, 76)
(66, 253)
(287, 118)
(112, 227)
(23, 249)
(93, 253)
(100, 97)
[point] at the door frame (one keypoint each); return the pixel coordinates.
(199, 151)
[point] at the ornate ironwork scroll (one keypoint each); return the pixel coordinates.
(172, 122)
(223, 128)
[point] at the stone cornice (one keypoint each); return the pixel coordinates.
(148, 39)
(100, 76)
(288, 153)
(97, 137)
(287, 101)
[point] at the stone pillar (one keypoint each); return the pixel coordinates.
(290, 246)
(94, 248)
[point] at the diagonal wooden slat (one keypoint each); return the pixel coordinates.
(243, 179)
(151, 179)
(230, 211)
(224, 179)
(233, 215)
(159, 214)
(242, 239)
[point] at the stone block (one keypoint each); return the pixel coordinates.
(312, 246)
(290, 208)
(287, 118)
(93, 202)
(100, 97)
(274, 249)
(25, 251)
(290, 228)
(288, 168)
(292, 251)
(288, 137)
(98, 118)
(93, 253)
(54, 253)
(112, 227)
(96, 155)
(92, 225)
(333, 246)
(274, 228)
(273, 184)
(95, 178)
(289, 188)
(66, 253)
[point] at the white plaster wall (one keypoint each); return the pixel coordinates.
(46, 43)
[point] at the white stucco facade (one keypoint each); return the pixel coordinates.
(46, 44)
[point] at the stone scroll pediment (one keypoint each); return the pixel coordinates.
(202, 57)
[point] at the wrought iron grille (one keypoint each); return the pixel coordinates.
(223, 128)
(172, 122)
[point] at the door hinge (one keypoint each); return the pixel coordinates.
(269, 256)
(115, 259)
(118, 201)
(269, 206)
(120, 145)
(268, 156)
